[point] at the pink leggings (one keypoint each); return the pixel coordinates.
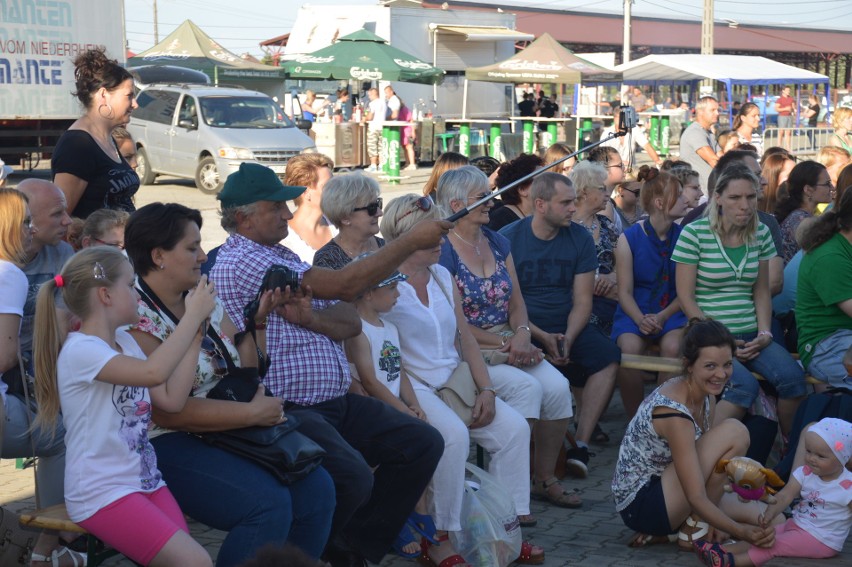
(791, 541)
(139, 524)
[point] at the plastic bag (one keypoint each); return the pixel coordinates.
(490, 533)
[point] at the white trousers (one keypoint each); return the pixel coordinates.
(507, 440)
(537, 392)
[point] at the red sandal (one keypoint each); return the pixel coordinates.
(451, 561)
(530, 554)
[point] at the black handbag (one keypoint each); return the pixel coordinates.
(287, 454)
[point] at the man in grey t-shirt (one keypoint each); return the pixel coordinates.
(47, 252)
(698, 146)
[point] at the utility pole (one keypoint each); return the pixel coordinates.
(627, 37)
(156, 25)
(707, 29)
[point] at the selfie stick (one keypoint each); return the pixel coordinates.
(627, 120)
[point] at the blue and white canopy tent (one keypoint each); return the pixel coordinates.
(691, 69)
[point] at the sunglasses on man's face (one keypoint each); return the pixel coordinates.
(371, 209)
(422, 204)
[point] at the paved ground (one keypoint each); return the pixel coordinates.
(593, 536)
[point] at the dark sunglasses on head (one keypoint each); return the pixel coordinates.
(371, 209)
(422, 204)
(634, 191)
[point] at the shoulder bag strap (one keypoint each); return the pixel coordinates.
(155, 303)
(452, 303)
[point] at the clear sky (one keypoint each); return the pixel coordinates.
(240, 25)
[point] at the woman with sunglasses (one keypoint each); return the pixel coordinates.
(808, 185)
(627, 205)
(211, 485)
(481, 264)
(431, 325)
(352, 204)
(589, 179)
(648, 311)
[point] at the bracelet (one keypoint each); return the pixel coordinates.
(488, 389)
(766, 334)
(259, 326)
(524, 327)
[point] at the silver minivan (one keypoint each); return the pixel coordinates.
(204, 133)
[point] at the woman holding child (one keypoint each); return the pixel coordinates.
(211, 485)
(483, 271)
(429, 317)
(665, 468)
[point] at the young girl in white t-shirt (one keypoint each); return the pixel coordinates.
(822, 517)
(376, 356)
(101, 379)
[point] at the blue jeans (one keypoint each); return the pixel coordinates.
(232, 494)
(775, 364)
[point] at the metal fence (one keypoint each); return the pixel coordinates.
(802, 140)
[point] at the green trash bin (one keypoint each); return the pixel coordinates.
(654, 133)
(665, 135)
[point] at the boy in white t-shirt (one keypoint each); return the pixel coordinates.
(376, 356)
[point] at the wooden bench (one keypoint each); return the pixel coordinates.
(56, 518)
(674, 365)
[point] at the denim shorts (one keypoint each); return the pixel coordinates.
(647, 513)
(827, 359)
(777, 367)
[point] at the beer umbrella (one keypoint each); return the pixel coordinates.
(362, 56)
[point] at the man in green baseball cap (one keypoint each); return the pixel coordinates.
(252, 183)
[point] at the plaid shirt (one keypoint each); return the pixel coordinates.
(307, 367)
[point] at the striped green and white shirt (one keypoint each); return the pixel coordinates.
(726, 276)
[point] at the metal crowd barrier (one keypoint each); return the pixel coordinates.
(803, 140)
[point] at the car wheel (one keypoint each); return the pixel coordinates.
(207, 176)
(143, 168)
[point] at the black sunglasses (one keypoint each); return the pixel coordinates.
(371, 209)
(634, 191)
(422, 204)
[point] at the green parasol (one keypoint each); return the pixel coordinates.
(362, 56)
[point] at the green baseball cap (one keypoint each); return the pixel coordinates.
(252, 183)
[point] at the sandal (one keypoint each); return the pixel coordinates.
(451, 561)
(713, 554)
(424, 525)
(530, 554)
(405, 537)
(691, 531)
(55, 557)
(527, 521)
(565, 499)
(599, 436)
(639, 539)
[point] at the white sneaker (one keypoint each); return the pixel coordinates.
(410, 167)
(372, 169)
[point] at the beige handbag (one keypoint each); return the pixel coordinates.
(459, 392)
(493, 356)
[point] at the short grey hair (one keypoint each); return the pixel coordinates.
(397, 221)
(344, 193)
(704, 102)
(587, 175)
(544, 186)
(457, 184)
(229, 216)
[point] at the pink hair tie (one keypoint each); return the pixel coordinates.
(59, 281)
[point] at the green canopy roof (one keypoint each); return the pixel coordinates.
(362, 56)
(189, 46)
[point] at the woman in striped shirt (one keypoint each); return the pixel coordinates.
(722, 273)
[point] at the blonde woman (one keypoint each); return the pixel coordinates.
(308, 230)
(842, 123)
(16, 231)
(723, 273)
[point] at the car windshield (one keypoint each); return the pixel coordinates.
(243, 112)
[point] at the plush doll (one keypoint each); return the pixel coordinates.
(749, 479)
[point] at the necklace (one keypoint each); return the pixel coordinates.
(475, 245)
(347, 251)
(591, 227)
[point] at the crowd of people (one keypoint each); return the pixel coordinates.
(128, 326)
